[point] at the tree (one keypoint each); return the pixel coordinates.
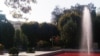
(24, 41)
(66, 17)
(48, 32)
(31, 30)
(69, 26)
(17, 38)
(6, 32)
(96, 29)
(19, 7)
(20, 40)
(59, 12)
(56, 14)
(36, 32)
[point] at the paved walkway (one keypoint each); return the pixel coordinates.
(29, 54)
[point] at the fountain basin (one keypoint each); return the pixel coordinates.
(76, 54)
(71, 52)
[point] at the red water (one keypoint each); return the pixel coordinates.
(77, 54)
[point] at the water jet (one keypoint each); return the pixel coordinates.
(86, 48)
(86, 40)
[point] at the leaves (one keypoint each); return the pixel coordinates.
(19, 7)
(6, 32)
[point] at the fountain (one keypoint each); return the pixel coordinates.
(86, 42)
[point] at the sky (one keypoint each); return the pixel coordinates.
(41, 11)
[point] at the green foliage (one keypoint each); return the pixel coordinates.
(36, 32)
(30, 50)
(13, 50)
(56, 14)
(17, 38)
(96, 30)
(42, 44)
(31, 30)
(24, 41)
(1, 47)
(6, 32)
(69, 26)
(59, 12)
(69, 23)
(20, 40)
(21, 7)
(48, 31)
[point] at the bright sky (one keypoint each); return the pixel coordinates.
(43, 8)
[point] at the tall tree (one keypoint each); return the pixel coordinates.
(31, 31)
(48, 31)
(56, 14)
(20, 40)
(69, 26)
(96, 29)
(6, 32)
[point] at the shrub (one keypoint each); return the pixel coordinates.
(1, 47)
(30, 50)
(13, 50)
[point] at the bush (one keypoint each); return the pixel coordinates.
(13, 50)
(30, 50)
(42, 44)
(1, 49)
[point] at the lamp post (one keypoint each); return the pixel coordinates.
(51, 39)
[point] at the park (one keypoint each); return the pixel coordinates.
(73, 31)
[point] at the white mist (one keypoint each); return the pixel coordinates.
(86, 40)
